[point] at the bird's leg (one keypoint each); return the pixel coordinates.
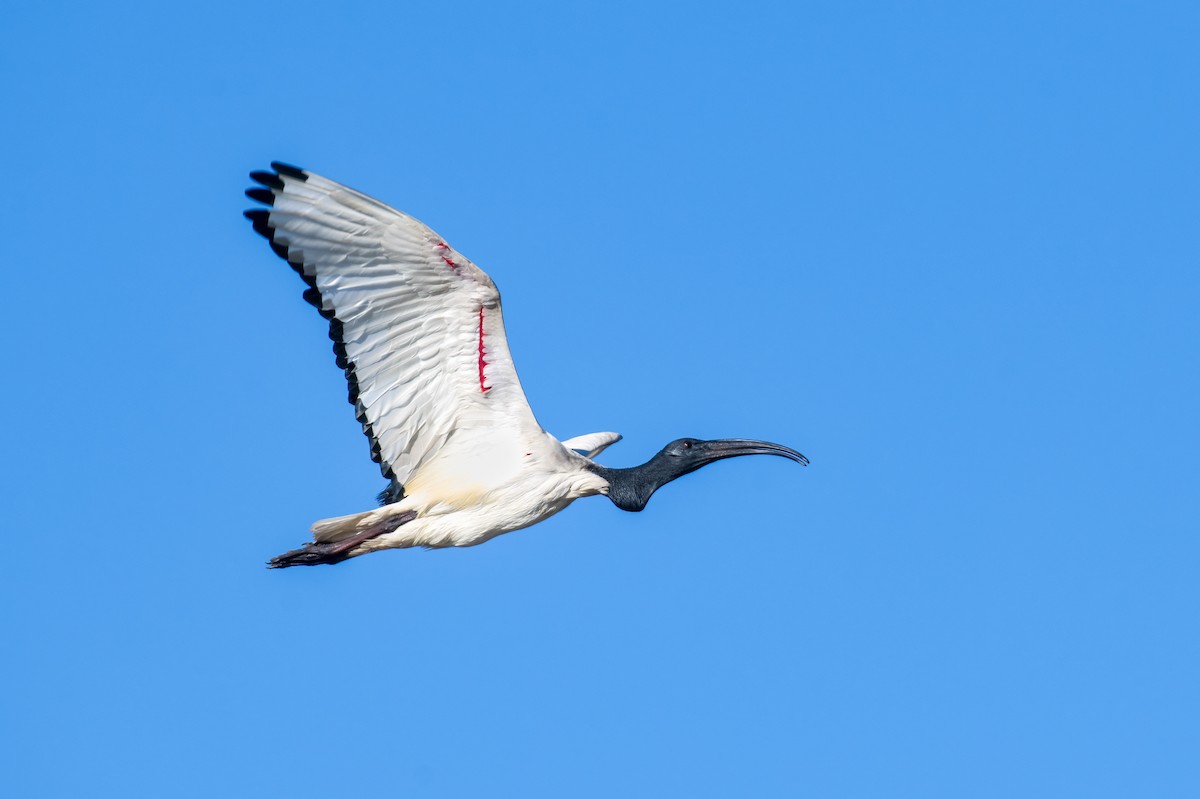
(314, 554)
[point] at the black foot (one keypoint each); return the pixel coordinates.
(309, 555)
(393, 493)
(335, 552)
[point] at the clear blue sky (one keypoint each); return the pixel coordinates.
(948, 251)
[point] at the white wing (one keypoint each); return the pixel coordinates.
(416, 326)
(592, 444)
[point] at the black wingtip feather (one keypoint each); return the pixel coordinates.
(262, 195)
(289, 171)
(311, 280)
(313, 298)
(268, 179)
(258, 218)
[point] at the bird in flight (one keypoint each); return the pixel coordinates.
(419, 332)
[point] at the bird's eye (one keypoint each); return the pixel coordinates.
(687, 445)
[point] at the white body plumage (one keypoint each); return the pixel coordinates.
(466, 496)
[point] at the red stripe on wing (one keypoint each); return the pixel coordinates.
(443, 246)
(482, 362)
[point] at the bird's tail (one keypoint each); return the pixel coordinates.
(339, 528)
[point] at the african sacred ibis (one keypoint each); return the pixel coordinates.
(418, 330)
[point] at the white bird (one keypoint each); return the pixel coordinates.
(419, 332)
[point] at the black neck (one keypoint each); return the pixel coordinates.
(630, 489)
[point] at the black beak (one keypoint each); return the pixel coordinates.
(733, 447)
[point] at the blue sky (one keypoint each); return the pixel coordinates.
(948, 251)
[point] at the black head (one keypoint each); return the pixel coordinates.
(685, 455)
(631, 489)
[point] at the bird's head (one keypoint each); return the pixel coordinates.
(631, 489)
(685, 455)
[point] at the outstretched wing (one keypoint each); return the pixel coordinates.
(415, 325)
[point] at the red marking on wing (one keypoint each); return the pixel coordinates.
(444, 246)
(482, 362)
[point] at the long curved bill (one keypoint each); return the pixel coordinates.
(733, 447)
